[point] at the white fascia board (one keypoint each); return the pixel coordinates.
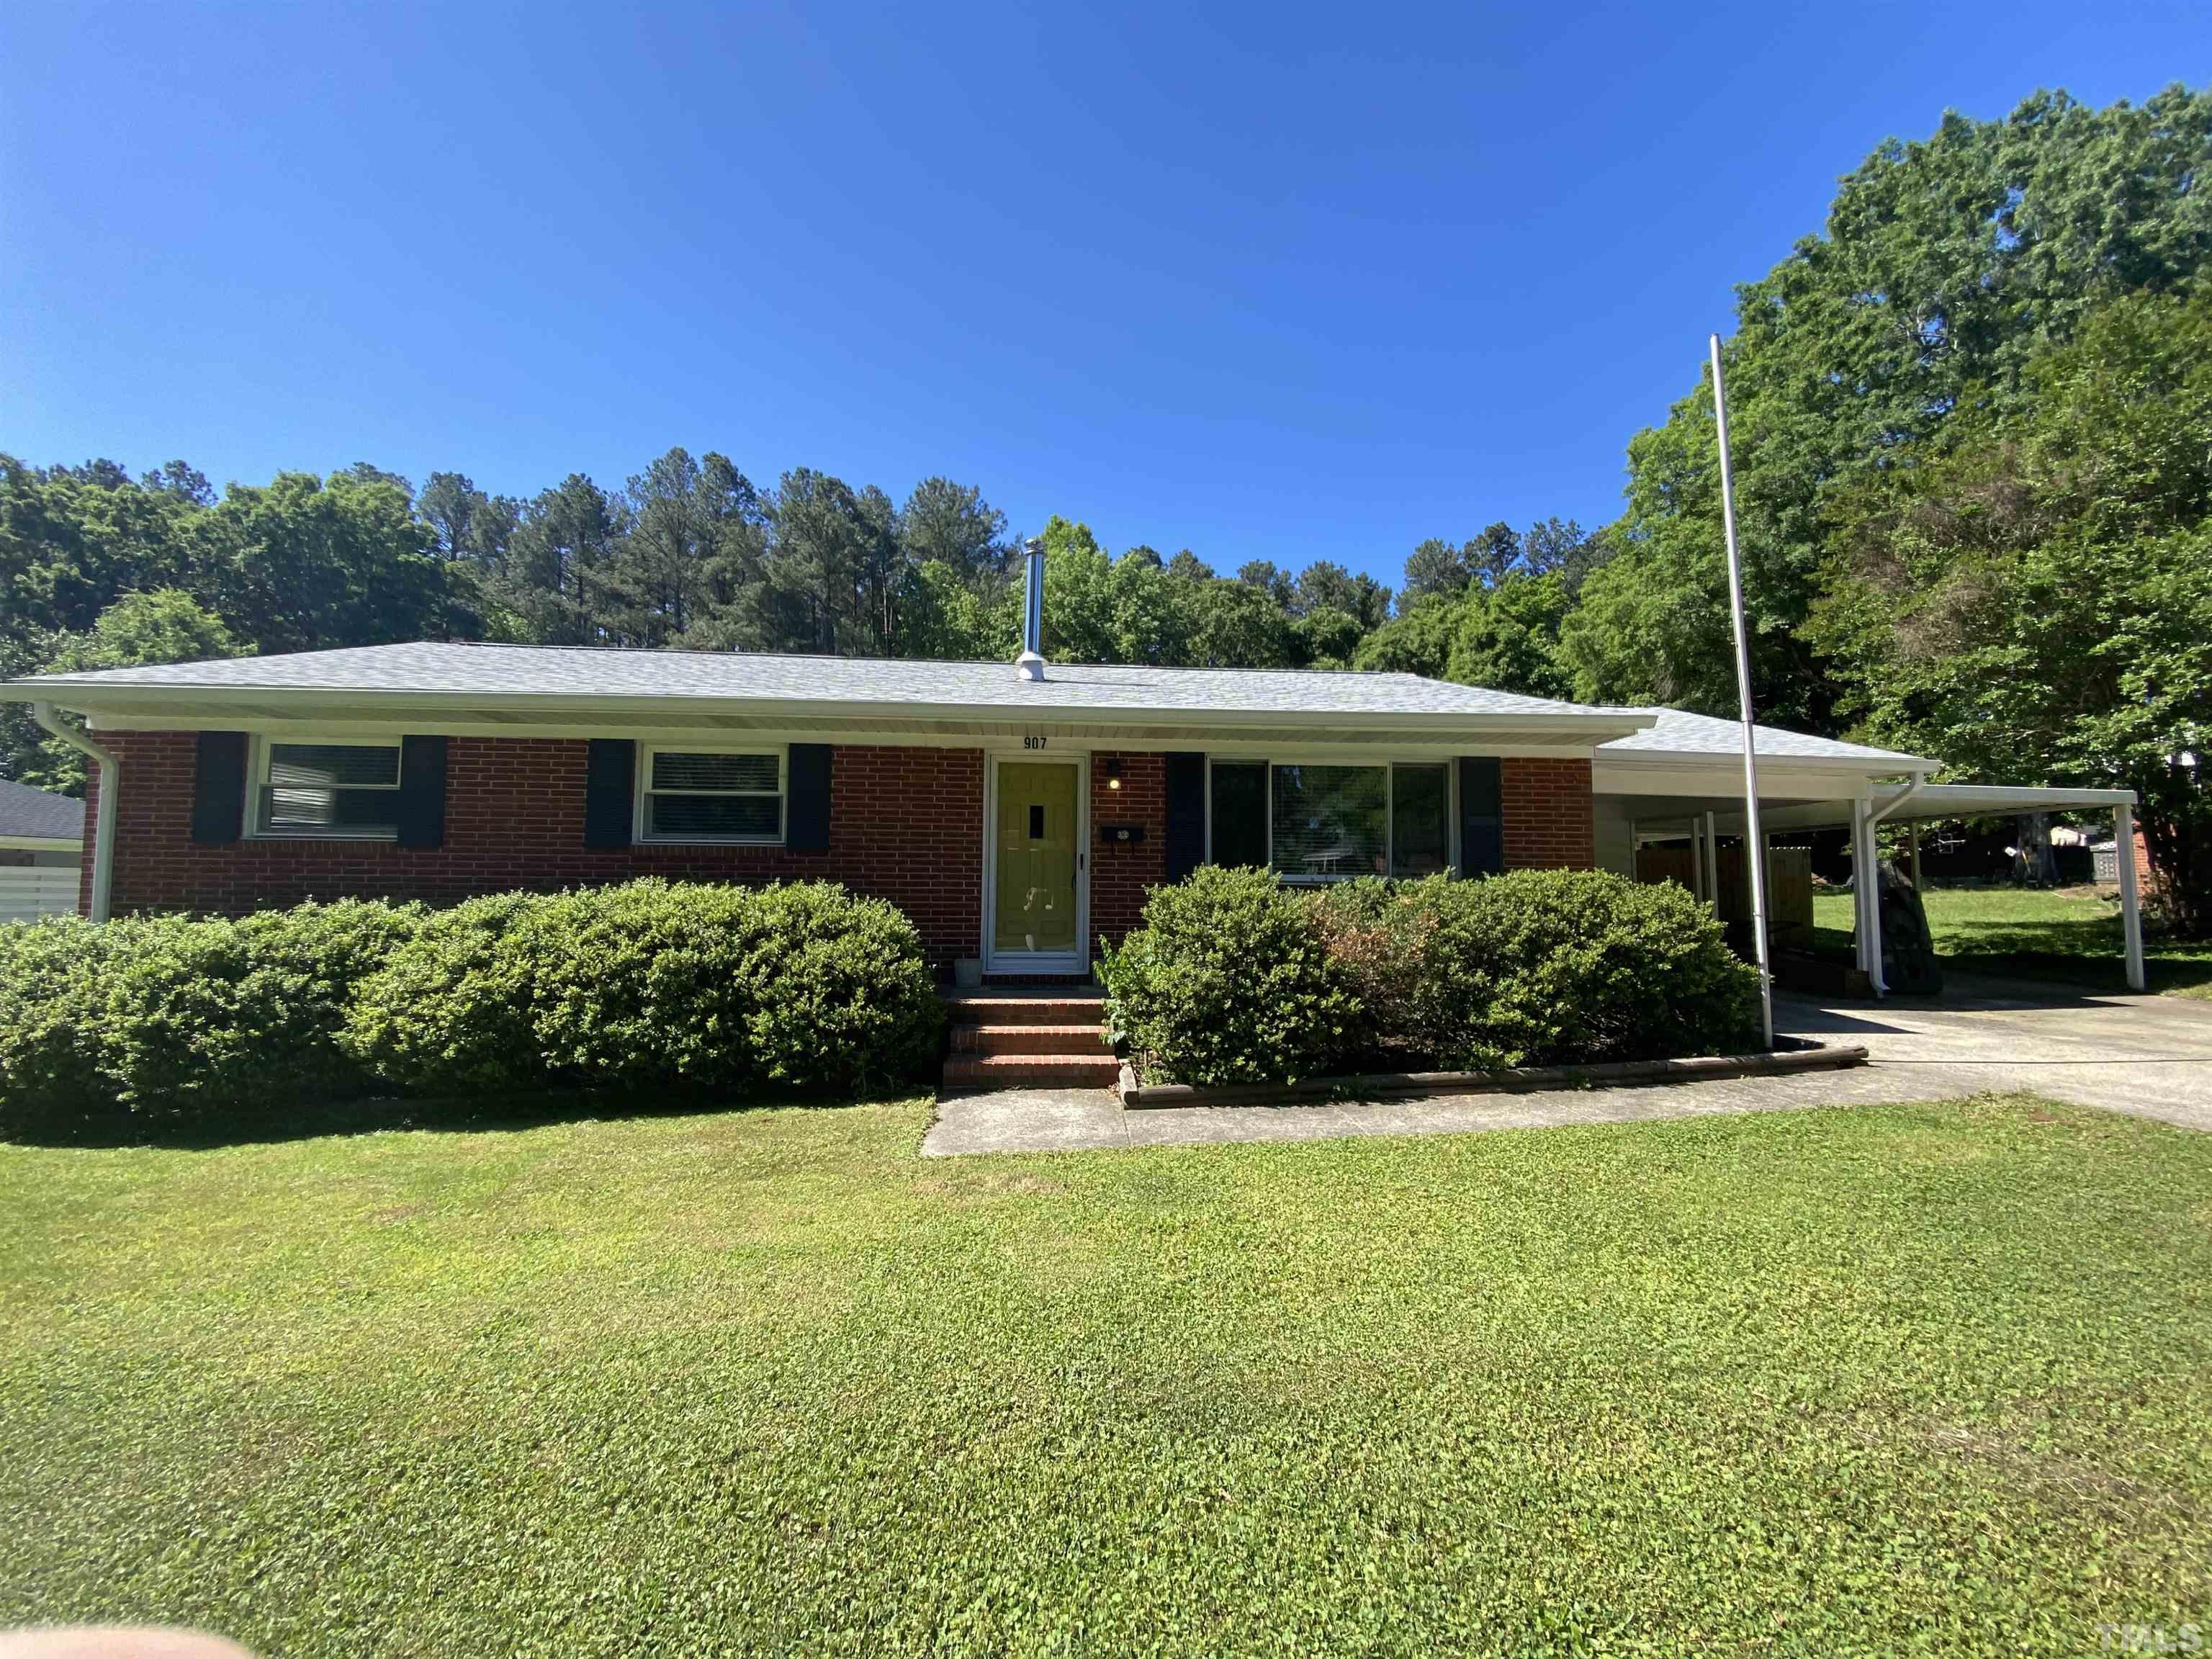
(42, 844)
(1967, 800)
(1794, 779)
(1287, 742)
(1632, 764)
(1941, 800)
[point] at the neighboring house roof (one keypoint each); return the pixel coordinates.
(28, 814)
(1675, 732)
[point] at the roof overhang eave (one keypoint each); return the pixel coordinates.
(123, 703)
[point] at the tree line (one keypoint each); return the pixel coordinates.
(106, 569)
(1973, 449)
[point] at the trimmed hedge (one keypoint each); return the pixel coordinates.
(166, 1019)
(1531, 969)
(1563, 967)
(654, 985)
(133, 1025)
(1228, 981)
(450, 1015)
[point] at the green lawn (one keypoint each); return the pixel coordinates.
(1934, 1378)
(2069, 933)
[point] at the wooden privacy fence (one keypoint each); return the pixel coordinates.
(1789, 886)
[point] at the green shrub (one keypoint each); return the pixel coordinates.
(1227, 982)
(210, 1017)
(1235, 979)
(171, 1018)
(1543, 967)
(640, 985)
(52, 993)
(654, 985)
(844, 998)
(448, 1013)
(1378, 932)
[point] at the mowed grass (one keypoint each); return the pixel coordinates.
(2068, 934)
(1932, 1378)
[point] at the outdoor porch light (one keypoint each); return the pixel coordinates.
(1114, 774)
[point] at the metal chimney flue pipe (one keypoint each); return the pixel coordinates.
(1030, 666)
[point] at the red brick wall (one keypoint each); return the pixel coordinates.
(1120, 871)
(905, 825)
(1548, 820)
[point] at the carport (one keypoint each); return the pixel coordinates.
(1917, 803)
(1682, 781)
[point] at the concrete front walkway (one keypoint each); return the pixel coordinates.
(2148, 1056)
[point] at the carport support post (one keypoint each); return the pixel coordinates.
(2124, 850)
(1712, 866)
(1858, 889)
(1866, 883)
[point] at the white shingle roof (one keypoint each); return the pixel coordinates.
(522, 675)
(1677, 732)
(527, 672)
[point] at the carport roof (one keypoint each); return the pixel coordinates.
(1951, 801)
(1674, 732)
(1903, 804)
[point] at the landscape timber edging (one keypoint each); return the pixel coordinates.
(1375, 1085)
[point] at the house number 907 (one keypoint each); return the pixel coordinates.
(1033, 742)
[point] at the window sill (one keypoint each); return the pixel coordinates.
(378, 837)
(706, 841)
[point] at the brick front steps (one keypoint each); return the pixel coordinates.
(1050, 1037)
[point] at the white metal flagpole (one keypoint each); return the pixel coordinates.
(1755, 840)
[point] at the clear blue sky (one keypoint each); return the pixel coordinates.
(1283, 283)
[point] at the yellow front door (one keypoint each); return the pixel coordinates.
(1035, 901)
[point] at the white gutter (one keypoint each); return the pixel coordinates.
(122, 707)
(103, 845)
(1919, 783)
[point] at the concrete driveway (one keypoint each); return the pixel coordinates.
(2146, 1056)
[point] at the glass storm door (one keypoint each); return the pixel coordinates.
(1036, 885)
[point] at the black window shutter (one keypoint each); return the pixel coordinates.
(422, 792)
(610, 785)
(1186, 814)
(806, 809)
(219, 788)
(1481, 816)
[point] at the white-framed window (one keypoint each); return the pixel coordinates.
(689, 793)
(346, 791)
(1329, 820)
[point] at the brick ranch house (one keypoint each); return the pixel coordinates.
(1016, 813)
